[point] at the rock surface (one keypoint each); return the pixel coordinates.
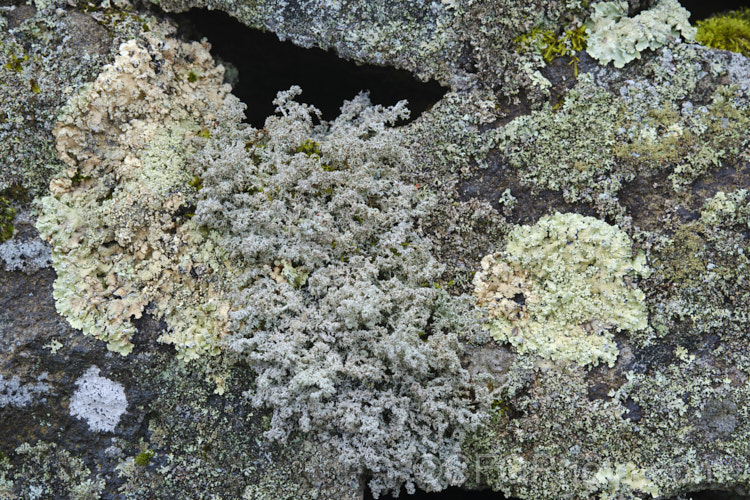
(386, 230)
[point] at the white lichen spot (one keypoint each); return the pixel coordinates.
(99, 401)
(561, 286)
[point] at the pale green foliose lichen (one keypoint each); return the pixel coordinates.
(614, 37)
(611, 480)
(728, 209)
(119, 218)
(560, 287)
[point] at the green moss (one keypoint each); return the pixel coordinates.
(727, 31)
(551, 46)
(7, 214)
(196, 182)
(15, 63)
(192, 77)
(144, 458)
(309, 147)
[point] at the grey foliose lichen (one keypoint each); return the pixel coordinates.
(118, 219)
(336, 311)
(614, 37)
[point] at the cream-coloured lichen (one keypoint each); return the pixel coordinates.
(727, 209)
(561, 286)
(119, 219)
(613, 36)
(612, 481)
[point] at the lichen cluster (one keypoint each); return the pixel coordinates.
(561, 286)
(118, 219)
(611, 131)
(336, 312)
(702, 272)
(48, 471)
(325, 243)
(45, 58)
(615, 37)
(310, 230)
(686, 376)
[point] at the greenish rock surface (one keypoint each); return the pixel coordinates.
(293, 309)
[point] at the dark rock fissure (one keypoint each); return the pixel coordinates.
(449, 493)
(267, 65)
(701, 10)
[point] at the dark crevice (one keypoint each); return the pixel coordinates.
(266, 65)
(700, 9)
(717, 495)
(453, 493)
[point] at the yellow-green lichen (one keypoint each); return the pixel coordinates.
(727, 31)
(730, 209)
(611, 481)
(561, 286)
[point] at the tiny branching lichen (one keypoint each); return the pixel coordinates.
(335, 311)
(561, 286)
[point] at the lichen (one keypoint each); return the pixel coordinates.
(614, 37)
(727, 209)
(99, 401)
(551, 46)
(119, 242)
(726, 31)
(612, 131)
(49, 471)
(44, 60)
(561, 286)
(337, 314)
(611, 481)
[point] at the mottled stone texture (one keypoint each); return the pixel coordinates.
(656, 152)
